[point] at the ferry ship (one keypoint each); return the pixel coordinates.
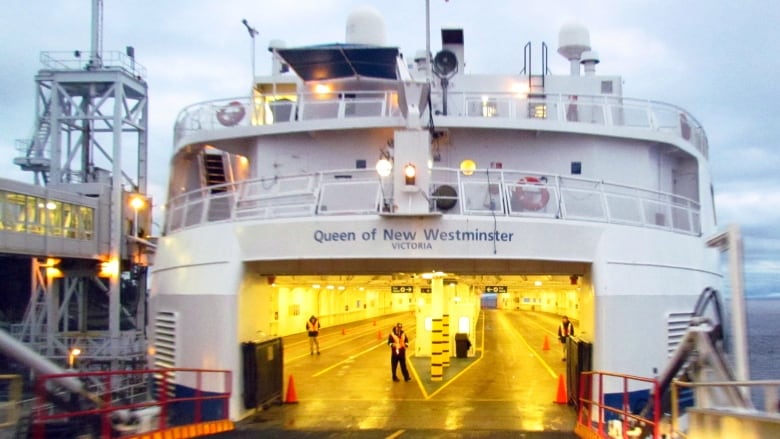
(354, 182)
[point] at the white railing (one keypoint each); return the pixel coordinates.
(492, 192)
(762, 420)
(81, 60)
(567, 109)
(269, 110)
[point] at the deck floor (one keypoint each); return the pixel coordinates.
(507, 387)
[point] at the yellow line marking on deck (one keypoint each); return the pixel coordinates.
(350, 358)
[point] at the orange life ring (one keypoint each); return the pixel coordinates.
(231, 114)
(531, 200)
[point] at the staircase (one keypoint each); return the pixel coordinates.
(35, 159)
(215, 174)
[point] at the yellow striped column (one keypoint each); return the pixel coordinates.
(445, 336)
(437, 370)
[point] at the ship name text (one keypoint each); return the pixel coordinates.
(413, 239)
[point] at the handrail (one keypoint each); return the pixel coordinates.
(566, 110)
(109, 403)
(72, 60)
(625, 419)
(770, 390)
(498, 192)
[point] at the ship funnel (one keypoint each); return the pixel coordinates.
(365, 26)
(573, 40)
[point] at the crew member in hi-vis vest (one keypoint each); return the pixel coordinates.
(313, 327)
(398, 342)
(565, 330)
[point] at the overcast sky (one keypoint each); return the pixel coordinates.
(719, 60)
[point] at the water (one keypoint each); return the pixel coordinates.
(763, 316)
(763, 342)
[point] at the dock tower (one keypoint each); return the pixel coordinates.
(89, 141)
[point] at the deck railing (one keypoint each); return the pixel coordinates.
(82, 60)
(571, 110)
(491, 192)
(764, 416)
(600, 417)
(103, 408)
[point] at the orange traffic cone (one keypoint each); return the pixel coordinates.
(374, 322)
(291, 398)
(343, 331)
(561, 398)
(546, 346)
(379, 335)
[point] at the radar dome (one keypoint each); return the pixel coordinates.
(365, 26)
(573, 39)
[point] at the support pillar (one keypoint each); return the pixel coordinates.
(445, 354)
(437, 329)
(437, 369)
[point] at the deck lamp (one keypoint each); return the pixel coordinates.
(72, 354)
(137, 203)
(410, 172)
(383, 167)
(468, 166)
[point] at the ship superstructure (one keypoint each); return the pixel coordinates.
(355, 182)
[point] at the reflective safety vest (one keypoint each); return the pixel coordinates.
(566, 330)
(398, 341)
(311, 326)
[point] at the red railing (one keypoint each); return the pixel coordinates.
(593, 426)
(107, 403)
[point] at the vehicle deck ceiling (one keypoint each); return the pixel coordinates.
(512, 273)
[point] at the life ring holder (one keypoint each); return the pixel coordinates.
(231, 114)
(531, 201)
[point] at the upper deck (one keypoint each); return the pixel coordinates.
(291, 112)
(284, 149)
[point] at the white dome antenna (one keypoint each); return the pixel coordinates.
(573, 40)
(365, 26)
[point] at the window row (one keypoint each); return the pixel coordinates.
(23, 213)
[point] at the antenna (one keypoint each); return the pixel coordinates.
(96, 57)
(252, 34)
(252, 31)
(573, 41)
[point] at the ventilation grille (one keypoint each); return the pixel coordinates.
(676, 326)
(166, 326)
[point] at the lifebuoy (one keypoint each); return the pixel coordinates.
(531, 199)
(231, 114)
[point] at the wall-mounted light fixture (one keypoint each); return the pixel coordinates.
(384, 167)
(410, 174)
(467, 167)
